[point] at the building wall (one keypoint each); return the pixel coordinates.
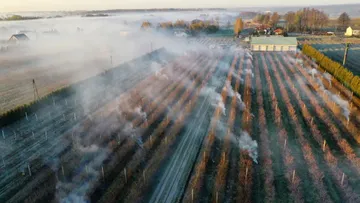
(265, 47)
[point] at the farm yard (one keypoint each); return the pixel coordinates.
(202, 126)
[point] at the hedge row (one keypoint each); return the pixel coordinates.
(345, 76)
(19, 112)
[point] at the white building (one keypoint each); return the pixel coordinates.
(273, 43)
(351, 32)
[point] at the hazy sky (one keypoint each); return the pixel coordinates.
(51, 5)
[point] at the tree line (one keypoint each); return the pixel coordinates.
(194, 27)
(306, 19)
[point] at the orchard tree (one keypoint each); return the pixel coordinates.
(239, 25)
(274, 19)
(343, 21)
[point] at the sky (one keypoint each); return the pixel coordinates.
(60, 5)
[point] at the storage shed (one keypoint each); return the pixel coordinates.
(17, 38)
(273, 43)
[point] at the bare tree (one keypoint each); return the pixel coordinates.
(343, 21)
(266, 19)
(290, 18)
(274, 19)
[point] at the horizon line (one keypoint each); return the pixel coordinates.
(187, 8)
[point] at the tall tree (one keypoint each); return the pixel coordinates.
(274, 19)
(266, 19)
(290, 18)
(239, 25)
(343, 21)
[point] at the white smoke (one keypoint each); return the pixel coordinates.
(240, 102)
(313, 72)
(247, 144)
(141, 113)
(343, 104)
(160, 75)
(328, 77)
(229, 89)
(249, 72)
(76, 189)
(215, 98)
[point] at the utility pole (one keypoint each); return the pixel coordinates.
(346, 53)
(36, 93)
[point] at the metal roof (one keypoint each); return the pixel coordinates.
(274, 40)
(20, 37)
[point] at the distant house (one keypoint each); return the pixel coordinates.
(281, 23)
(181, 34)
(278, 31)
(356, 33)
(18, 37)
(273, 43)
(351, 32)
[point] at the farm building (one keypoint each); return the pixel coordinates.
(18, 37)
(273, 44)
(351, 32)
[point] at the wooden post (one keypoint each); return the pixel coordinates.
(125, 175)
(165, 140)
(293, 176)
(26, 116)
(324, 145)
(224, 156)
(192, 195)
(103, 173)
(285, 143)
(63, 171)
(312, 120)
(29, 169)
(342, 179)
(246, 174)
(3, 160)
(204, 155)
